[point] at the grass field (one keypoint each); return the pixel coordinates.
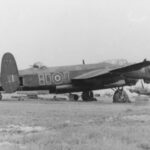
(47, 125)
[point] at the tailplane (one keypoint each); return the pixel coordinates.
(9, 73)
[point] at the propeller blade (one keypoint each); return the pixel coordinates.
(142, 83)
(83, 62)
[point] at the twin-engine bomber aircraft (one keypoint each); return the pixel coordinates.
(78, 78)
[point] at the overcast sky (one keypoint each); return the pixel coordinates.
(63, 32)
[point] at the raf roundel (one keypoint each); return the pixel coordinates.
(58, 78)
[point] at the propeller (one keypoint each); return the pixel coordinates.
(142, 83)
(83, 62)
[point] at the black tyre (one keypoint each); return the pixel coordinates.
(116, 97)
(85, 96)
(75, 97)
(120, 96)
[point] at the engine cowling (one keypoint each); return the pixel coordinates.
(131, 81)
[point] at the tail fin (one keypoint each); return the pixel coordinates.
(9, 73)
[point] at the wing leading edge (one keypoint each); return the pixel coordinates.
(118, 71)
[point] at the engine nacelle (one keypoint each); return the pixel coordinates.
(131, 81)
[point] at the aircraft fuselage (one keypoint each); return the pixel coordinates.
(58, 79)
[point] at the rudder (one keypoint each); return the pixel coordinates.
(9, 73)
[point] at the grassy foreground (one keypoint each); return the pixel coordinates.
(44, 125)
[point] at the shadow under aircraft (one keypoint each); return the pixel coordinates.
(76, 78)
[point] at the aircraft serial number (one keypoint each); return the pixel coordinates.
(53, 78)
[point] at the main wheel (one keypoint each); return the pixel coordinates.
(85, 96)
(120, 96)
(88, 96)
(73, 97)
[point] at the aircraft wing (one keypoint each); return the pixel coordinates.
(92, 74)
(118, 71)
(132, 67)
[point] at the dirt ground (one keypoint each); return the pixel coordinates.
(63, 125)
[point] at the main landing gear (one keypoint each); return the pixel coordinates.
(120, 96)
(88, 96)
(73, 97)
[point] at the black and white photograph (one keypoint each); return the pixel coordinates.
(74, 75)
